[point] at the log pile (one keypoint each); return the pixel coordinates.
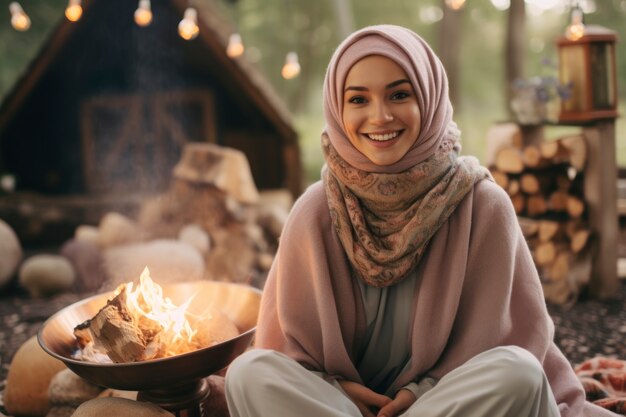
(545, 183)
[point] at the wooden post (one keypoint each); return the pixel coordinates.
(601, 195)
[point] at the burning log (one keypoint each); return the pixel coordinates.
(142, 324)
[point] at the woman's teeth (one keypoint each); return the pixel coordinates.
(382, 138)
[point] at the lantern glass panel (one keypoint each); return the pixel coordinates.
(572, 63)
(601, 68)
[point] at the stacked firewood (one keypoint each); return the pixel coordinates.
(545, 183)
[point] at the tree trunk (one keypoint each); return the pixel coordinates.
(515, 46)
(450, 48)
(345, 18)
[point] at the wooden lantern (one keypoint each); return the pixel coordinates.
(587, 64)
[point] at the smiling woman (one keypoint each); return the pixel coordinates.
(402, 285)
(380, 114)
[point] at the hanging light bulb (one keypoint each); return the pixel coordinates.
(143, 14)
(291, 69)
(19, 19)
(576, 29)
(73, 11)
(235, 46)
(455, 4)
(188, 27)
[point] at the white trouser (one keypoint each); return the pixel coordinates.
(501, 382)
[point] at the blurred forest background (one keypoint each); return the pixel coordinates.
(474, 36)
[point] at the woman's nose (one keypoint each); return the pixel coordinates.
(381, 113)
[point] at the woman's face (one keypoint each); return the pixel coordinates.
(380, 111)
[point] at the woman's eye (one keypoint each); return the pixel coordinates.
(356, 100)
(399, 95)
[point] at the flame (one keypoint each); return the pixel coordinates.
(147, 301)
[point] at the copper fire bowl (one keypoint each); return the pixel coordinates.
(239, 302)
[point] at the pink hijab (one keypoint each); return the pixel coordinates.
(426, 74)
(477, 286)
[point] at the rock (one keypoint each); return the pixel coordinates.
(117, 229)
(69, 389)
(30, 373)
(225, 168)
(86, 259)
(195, 236)
(10, 253)
(61, 411)
(168, 261)
(232, 257)
(119, 407)
(44, 275)
(87, 233)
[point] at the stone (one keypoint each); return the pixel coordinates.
(69, 389)
(225, 168)
(44, 275)
(195, 236)
(117, 229)
(119, 407)
(87, 261)
(272, 217)
(87, 233)
(232, 257)
(10, 253)
(168, 260)
(30, 373)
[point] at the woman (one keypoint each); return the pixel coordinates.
(402, 284)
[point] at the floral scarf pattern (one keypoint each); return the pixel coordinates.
(385, 221)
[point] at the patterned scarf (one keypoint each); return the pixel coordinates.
(384, 221)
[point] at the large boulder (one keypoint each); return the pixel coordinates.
(69, 389)
(86, 258)
(44, 275)
(10, 253)
(225, 168)
(30, 373)
(194, 235)
(169, 261)
(119, 407)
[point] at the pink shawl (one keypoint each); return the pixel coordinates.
(477, 287)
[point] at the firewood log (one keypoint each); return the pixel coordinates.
(536, 205)
(575, 207)
(579, 240)
(502, 135)
(529, 183)
(519, 202)
(558, 201)
(560, 267)
(513, 187)
(509, 160)
(548, 230)
(577, 150)
(544, 253)
(531, 156)
(554, 151)
(500, 178)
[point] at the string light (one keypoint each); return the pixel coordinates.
(455, 4)
(235, 46)
(143, 14)
(73, 11)
(188, 27)
(291, 69)
(19, 19)
(576, 29)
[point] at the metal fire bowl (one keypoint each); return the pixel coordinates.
(239, 302)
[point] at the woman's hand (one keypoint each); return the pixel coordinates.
(404, 399)
(367, 401)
